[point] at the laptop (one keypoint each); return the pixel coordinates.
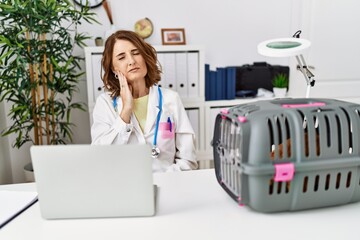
(91, 181)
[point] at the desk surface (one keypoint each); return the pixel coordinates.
(191, 205)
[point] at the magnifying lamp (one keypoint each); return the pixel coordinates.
(286, 47)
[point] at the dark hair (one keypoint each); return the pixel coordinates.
(147, 51)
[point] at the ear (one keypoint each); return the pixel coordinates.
(114, 70)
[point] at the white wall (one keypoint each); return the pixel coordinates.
(230, 31)
(333, 28)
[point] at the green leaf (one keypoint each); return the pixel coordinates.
(281, 80)
(5, 55)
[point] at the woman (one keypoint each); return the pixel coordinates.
(134, 110)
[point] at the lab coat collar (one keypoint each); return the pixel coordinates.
(153, 109)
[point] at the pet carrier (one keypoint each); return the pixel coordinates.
(289, 154)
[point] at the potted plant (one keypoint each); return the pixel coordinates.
(39, 74)
(280, 84)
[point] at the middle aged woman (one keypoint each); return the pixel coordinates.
(135, 110)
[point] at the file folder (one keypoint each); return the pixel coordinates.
(181, 74)
(170, 71)
(161, 60)
(193, 74)
(193, 114)
(96, 71)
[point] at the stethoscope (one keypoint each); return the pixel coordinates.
(155, 151)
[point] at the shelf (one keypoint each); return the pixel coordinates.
(233, 102)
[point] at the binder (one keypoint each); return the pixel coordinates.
(96, 71)
(193, 114)
(221, 83)
(213, 85)
(207, 82)
(193, 74)
(230, 83)
(169, 70)
(161, 61)
(181, 74)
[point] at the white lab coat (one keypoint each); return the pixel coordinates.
(177, 148)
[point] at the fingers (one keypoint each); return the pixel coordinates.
(122, 81)
(126, 94)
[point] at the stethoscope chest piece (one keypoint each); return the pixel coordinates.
(155, 151)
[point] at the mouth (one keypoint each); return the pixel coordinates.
(133, 70)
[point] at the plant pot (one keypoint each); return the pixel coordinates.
(279, 92)
(29, 173)
(99, 42)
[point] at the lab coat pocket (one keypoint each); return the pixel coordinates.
(167, 130)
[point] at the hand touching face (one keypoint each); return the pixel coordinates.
(125, 92)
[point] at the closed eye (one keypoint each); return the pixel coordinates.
(135, 52)
(120, 56)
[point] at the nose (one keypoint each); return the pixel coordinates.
(131, 60)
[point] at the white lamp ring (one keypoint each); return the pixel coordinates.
(283, 47)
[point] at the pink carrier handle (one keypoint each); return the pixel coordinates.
(302, 105)
(284, 172)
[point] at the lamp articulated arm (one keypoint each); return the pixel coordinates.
(309, 76)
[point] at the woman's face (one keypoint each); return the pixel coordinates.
(128, 60)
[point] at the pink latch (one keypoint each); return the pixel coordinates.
(284, 172)
(224, 111)
(302, 105)
(242, 119)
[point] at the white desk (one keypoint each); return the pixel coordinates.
(191, 205)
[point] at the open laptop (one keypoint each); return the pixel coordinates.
(88, 181)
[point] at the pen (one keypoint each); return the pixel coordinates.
(170, 125)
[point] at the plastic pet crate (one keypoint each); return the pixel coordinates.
(289, 154)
